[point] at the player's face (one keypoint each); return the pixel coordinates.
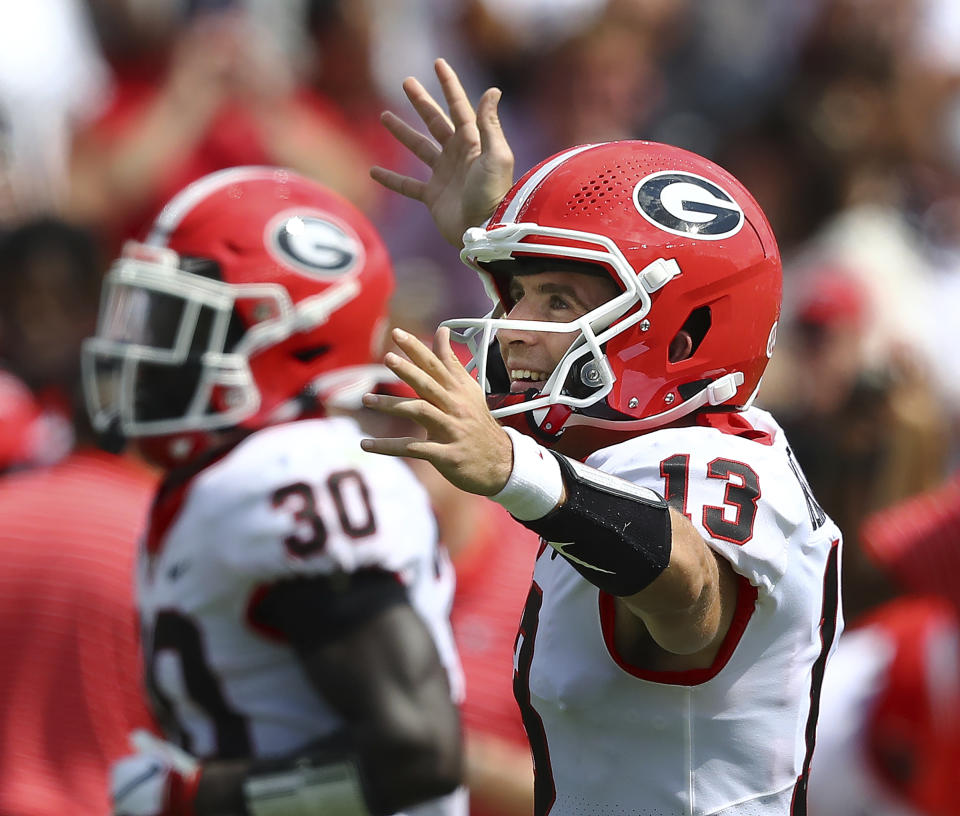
(554, 297)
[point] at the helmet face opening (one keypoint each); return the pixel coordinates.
(164, 351)
(693, 258)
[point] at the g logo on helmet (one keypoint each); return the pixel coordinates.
(687, 204)
(316, 246)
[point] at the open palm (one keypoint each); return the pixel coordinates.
(470, 161)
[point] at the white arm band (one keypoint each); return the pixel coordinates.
(310, 790)
(535, 485)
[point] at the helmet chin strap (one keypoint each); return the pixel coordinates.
(718, 392)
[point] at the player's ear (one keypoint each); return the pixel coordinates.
(681, 347)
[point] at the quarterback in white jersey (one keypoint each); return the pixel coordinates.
(731, 737)
(293, 596)
(686, 598)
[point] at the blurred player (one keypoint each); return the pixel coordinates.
(686, 599)
(890, 741)
(292, 596)
(890, 744)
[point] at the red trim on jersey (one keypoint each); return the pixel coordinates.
(166, 507)
(171, 495)
(735, 424)
(746, 601)
(256, 598)
(181, 794)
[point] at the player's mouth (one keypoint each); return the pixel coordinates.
(523, 379)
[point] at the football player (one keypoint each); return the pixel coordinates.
(890, 741)
(292, 596)
(685, 600)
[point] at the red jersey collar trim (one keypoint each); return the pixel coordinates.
(735, 424)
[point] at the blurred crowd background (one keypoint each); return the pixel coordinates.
(842, 117)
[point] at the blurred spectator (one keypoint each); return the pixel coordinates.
(888, 743)
(52, 79)
(865, 434)
(916, 542)
(49, 287)
(69, 522)
(200, 88)
(598, 84)
(730, 62)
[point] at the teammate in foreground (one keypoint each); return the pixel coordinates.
(292, 596)
(685, 600)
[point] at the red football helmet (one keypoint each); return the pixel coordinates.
(687, 246)
(256, 293)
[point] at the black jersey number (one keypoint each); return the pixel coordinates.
(175, 635)
(351, 500)
(740, 496)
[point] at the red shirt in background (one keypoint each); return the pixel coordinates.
(70, 688)
(493, 578)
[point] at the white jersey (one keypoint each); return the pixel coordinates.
(843, 783)
(735, 738)
(296, 500)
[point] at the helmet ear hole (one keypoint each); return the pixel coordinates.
(686, 341)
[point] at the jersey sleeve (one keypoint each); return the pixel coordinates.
(740, 494)
(303, 499)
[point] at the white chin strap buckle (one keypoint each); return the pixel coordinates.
(724, 388)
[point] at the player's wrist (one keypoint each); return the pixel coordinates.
(535, 485)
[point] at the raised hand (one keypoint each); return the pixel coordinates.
(464, 442)
(471, 164)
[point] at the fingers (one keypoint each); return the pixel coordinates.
(401, 446)
(420, 411)
(405, 185)
(444, 352)
(420, 380)
(493, 143)
(441, 363)
(437, 122)
(410, 138)
(461, 111)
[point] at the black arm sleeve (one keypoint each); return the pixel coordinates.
(615, 534)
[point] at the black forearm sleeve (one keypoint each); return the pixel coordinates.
(615, 534)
